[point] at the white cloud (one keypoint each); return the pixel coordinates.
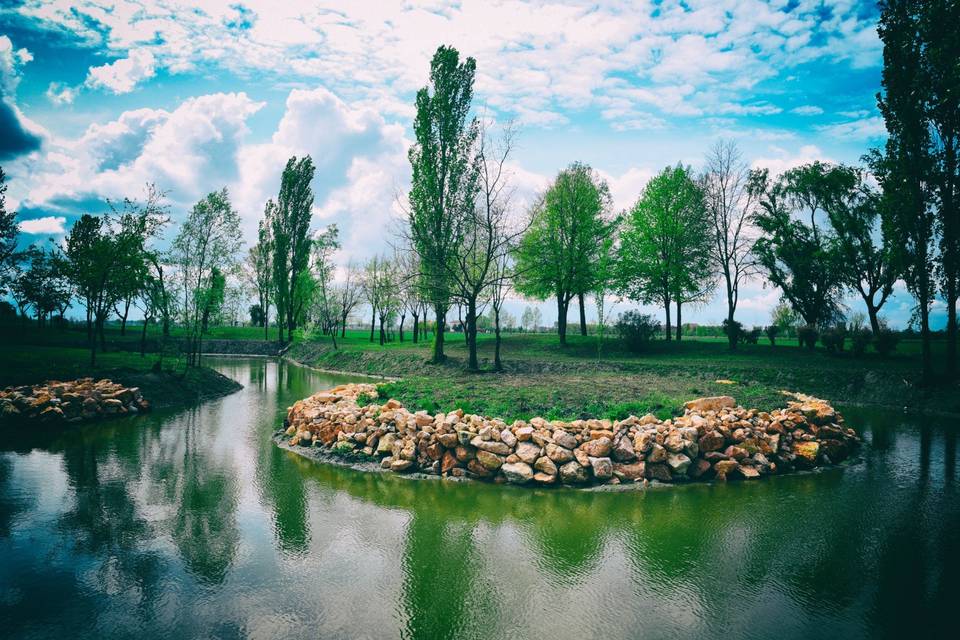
(869, 128)
(807, 110)
(46, 225)
(123, 75)
(783, 160)
(60, 94)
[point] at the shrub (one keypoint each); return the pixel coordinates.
(886, 341)
(636, 329)
(860, 339)
(752, 336)
(772, 331)
(733, 328)
(833, 339)
(807, 335)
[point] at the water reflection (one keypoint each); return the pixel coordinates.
(193, 523)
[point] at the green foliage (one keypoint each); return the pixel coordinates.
(444, 180)
(807, 336)
(290, 222)
(798, 253)
(9, 229)
(637, 330)
(772, 332)
(665, 246)
(860, 339)
(886, 341)
(834, 338)
(733, 330)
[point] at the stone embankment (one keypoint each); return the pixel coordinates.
(714, 440)
(68, 402)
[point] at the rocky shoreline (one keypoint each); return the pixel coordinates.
(714, 440)
(56, 402)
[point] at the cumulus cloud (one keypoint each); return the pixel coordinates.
(60, 94)
(49, 225)
(18, 134)
(782, 160)
(123, 75)
(807, 110)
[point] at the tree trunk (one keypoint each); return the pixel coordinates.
(562, 319)
(123, 318)
(951, 327)
(679, 321)
(497, 364)
(583, 314)
(667, 308)
(874, 313)
(471, 331)
(416, 327)
(383, 335)
(143, 337)
(373, 322)
(402, 318)
(103, 338)
(343, 325)
(731, 334)
(440, 313)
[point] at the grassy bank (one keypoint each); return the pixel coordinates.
(171, 386)
(543, 378)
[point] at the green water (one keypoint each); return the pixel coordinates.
(193, 524)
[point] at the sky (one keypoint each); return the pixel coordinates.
(99, 98)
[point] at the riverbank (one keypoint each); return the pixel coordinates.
(164, 386)
(542, 378)
(715, 439)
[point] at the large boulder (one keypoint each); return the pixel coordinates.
(517, 472)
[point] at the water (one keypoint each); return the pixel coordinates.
(193, 524)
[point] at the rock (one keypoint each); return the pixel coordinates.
(448, 440)
(602, 468)
(573, 473)
(564, 439)
(507, 438)
(524, 433)
(807, 452)
(698, 468)
(528, 452)
(711, 441)
(735, 452)
(714, 403)
(558, 454)
(518, 472)
(385, 445)
(581, 456)
(835, 449)
(599, 448)
(748, 473)
(489, 460)
(623, 449)
(678, 462)
(544, 478)
(491, 446)
(477, 469)
(631, 471)
(657, 454)
(644, 441)
(649, 419)
(464, 437)
(659, 472)
(400, 465)
(545, 465)
(674, 442)
(724, 467)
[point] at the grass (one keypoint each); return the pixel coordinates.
(173, 385)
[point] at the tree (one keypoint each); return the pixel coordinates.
(904, 167)
(444, 176)
(204, 250)
(868, 267)
(557, 254)
(800, 257)
(408, 282)
(349, 294)
(90, 249)
(325, 244)
(485, 234)
(665, 246)
(940, 52)
(259, 268)
(43, 285)
(9, 229)
(730, 204)
(503, 275)
(290, 221)
(604, 282)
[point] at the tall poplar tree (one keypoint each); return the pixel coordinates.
(444, 181)
(290, 219)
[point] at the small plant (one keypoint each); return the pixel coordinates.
(733, 330)
(886, 341)
(860, 339)
(366, 398)
(637, 329)
(807, 335)
(772, 332)
(834, 338)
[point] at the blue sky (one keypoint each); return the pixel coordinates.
(97, 98)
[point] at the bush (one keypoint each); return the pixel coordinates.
(860, 339)
(637, 329)
(733, 329)
(833, 339)
(752, 336)
(772, 331)
(886, 341)
(807, 335)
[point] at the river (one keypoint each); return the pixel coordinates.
(193, 524)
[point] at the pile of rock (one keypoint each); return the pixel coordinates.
(75, 401)
(714, 439)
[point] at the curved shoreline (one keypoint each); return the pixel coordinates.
(714, 439)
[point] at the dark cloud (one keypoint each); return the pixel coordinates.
(15, 139)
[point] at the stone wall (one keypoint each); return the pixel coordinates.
(714, 440)
(69, 402)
